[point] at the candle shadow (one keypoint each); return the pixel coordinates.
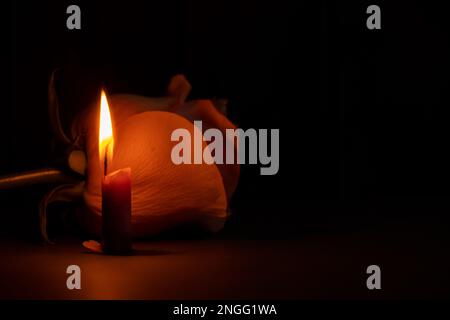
(150, 252)
(134, 253)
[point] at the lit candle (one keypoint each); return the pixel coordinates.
(116, 190)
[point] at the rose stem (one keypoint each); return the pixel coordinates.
(39, 176)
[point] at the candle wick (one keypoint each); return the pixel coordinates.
(105, 166)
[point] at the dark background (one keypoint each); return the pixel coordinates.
(362, 114)
(363, 153)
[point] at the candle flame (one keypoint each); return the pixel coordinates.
(105, 133)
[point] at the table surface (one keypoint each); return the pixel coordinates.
(414, 261)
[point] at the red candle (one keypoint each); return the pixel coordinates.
(116, 212)
(116, 191)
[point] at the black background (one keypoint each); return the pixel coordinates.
(362, 113)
